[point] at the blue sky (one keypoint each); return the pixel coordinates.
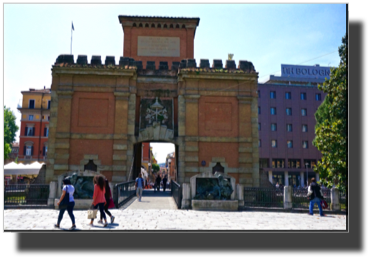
(268, 35)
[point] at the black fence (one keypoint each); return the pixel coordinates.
(124, 192)
(299, 199)
(263, 197)
(21, 195)
(176, 192)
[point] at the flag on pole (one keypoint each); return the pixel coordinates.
(72, 25)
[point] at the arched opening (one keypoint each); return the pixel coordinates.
(177, 26)
(159, 26)
(165, 26)
(171, 26)
(147, 25)
(134, 25)
(140, 25)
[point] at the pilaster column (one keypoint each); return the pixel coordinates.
(270, 176)
(286, 178)
(302, 179)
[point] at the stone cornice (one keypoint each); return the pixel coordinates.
(183, 75)
(104, 71)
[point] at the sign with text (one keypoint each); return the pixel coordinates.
(158, 46)
(305, 71)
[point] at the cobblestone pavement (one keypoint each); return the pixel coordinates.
(167, 219)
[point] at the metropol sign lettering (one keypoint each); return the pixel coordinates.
(305, 71)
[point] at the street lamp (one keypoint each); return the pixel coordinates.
(307, 177)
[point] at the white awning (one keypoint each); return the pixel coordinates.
(21, 169)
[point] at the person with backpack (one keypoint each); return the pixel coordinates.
(139, 186)
(66, 204)
(314, 194)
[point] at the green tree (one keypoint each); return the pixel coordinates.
(10, 129)
(331, 125)
(155, 167)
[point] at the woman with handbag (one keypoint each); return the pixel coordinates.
(66, 202)
(98, 199)
(109, 202)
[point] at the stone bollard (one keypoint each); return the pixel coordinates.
(335, 204)
(240, 194)
(186, 196)
(288, 191)
(52, 193)
(112, 185)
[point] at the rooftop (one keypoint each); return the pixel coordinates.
(32, 90)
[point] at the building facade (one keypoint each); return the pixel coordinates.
(34, 130)
(103, 111)
(286, 107)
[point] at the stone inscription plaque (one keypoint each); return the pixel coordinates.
(158, 46)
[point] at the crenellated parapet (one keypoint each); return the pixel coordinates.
(244, 66)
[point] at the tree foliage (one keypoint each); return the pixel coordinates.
(10, 129)
(331, 125)
(155, 167)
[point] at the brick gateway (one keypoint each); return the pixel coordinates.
(102, 112)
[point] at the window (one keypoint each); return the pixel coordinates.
(294, 163)
(288, 95)
(304, 112)
(289, 127)
(289, 111)
(274, 143)
(303, 96)
(304, 128)
(258, 93)
(46, 132)
(48, 118)
(259, 124)
(29, 131)
(273, 111)
(44, 150)
(318, 97)
(28, 150)
(290, 144)
(49, 104)
(305, 144)
(259, 110)
(259, 142)
(273, 95)
(31, 103)
(278, 163)
(30, 117)
(273, 127)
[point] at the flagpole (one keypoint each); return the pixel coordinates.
(71, 45)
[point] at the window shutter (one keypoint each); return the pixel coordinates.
(24, 150)
(45, 131)
(32, 151)
(26, 131)
(43, 151)
(33, 132)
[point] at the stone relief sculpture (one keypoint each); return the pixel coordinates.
(156, 113)
(218, 188)
(84, 187)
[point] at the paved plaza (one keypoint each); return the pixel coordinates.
(157, 211)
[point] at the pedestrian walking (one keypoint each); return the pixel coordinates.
(66, 202)
(158, 182)
(315, 196)
(139, 186)
(109, 201)
(164, 181)
(98, 199)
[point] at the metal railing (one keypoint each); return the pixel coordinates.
(19, 195)
(124, 192)
(176, 192)
(299, 198)
(263, 197)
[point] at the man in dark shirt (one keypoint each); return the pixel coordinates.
(314, 191)
(164, 181)
(158, 182)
